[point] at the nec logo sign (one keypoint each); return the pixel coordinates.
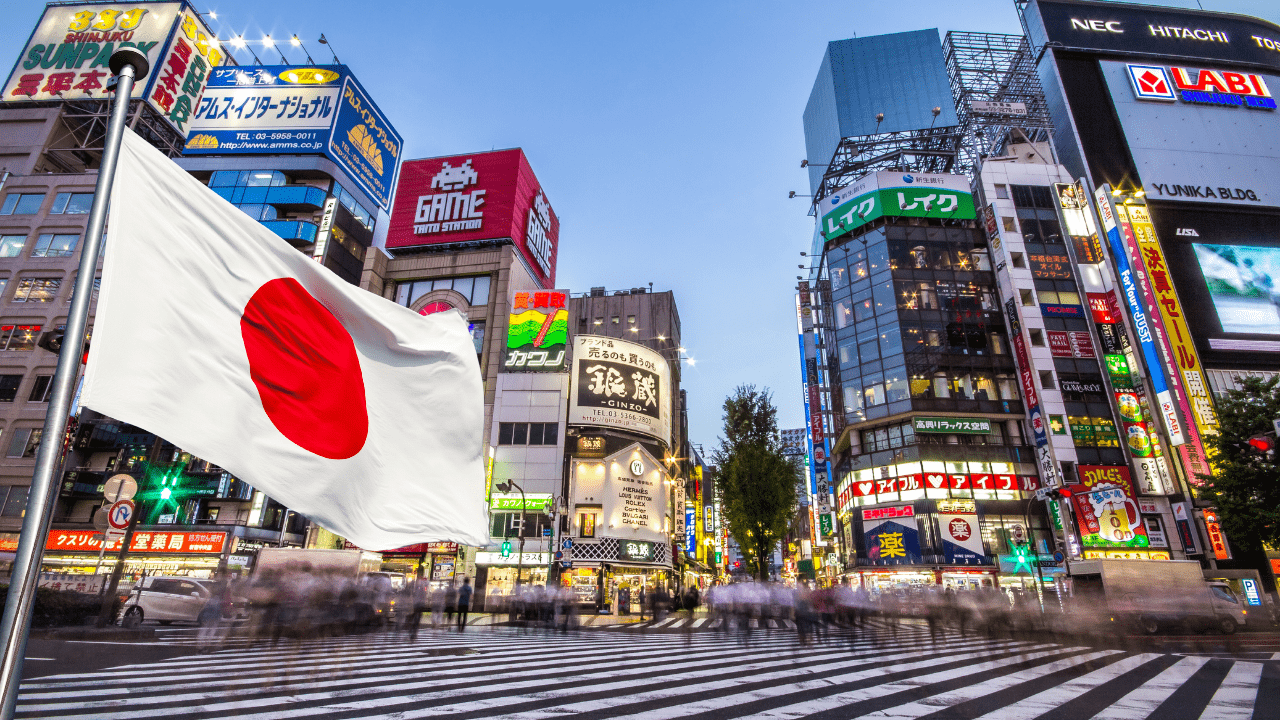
(1111, 26)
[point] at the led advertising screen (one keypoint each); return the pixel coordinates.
(477, 197)
(285, 109)
(1244, 283)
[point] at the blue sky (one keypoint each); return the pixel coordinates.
(666, 135)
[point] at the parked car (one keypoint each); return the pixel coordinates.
(167, 599)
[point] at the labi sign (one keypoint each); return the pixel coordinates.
(887, 193)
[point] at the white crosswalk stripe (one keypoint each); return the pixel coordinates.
(505, 672)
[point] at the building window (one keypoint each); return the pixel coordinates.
(614, 320)
(528, 433)
(1010, 225)
(1046, 379)
(37, 290)
(71, 204)
(507, 525)
(39, 390)
(11, 245)
(24, 443)
(9, 387)
(19, 337)
(1002, 192)
(15, 500)
(587, 524)
(1019, 261)
(477, 335)
(1027, 296)
(1037, 337)
(474, 288)
(49, 245)
(22, 204)
(599, 321)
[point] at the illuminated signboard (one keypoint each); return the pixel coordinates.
(530, 502)
(1196, 85)
(637, 550)
(1217, 540)
(67, 54)
(487, 196)
(965, 426)
(1251, 594)
(1110, 516)
(202, 543)
(888, 193)
(622, 385)
(590, 446)
(898, 511)
(537, 332)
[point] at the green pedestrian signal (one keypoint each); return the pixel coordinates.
(506, 548)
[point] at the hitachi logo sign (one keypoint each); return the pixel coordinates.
(1111, 26)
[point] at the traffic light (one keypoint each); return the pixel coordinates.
(1058, 493)
(51, 340)
(506, 548)
(1264, 444)
(1021, 558)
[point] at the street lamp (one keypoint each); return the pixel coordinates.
(506, 488)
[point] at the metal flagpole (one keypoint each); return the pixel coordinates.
(127, 64)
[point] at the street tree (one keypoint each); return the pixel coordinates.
(756, 482)
(1245, 485)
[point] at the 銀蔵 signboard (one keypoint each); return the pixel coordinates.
(622, 385)
(638, 550)
(486, 196)
(537, 332)
(966, 426)
(67, 54)
(590, 446)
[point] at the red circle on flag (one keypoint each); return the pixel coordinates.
(305, 367)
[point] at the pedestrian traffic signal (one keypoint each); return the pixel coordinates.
(506, 548)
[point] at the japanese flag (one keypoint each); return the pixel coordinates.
(217, 335)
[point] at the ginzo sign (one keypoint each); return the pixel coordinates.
(490, 196)
(622, 385)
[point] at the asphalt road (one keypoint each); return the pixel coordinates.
(674, 670)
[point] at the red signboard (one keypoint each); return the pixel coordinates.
(1101, 307)
(482, 196)
(895, 511)
(1216, 538)
(1029, 392)
(940, 481)
(149, 541)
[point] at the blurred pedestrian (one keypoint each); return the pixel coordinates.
(464, 603)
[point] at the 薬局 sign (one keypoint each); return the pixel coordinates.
(145, 541)
(469, 198)
(537, 332)
(964, 426)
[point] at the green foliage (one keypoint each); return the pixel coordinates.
(755, 482)
(1245, 486)
(62, 608)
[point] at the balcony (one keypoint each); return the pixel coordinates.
(300, 232)
(285, 198)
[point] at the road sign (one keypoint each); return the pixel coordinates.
(1058, 557)
(120, 514)
(546, 532)
(566, 544)
(566, 564)
(1018, 533)
(120, 487)
(100, 519)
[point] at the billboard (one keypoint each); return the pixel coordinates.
(882, 193)
(621, 385)
(1110, 516)
(1199, 134)
(1244, 284)
(891, 535)
(481, 196)
(537, 332)
(286, 109)
(67, 54)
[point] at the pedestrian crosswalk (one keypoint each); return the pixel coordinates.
(508, 672)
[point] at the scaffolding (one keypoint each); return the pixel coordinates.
(997, 93)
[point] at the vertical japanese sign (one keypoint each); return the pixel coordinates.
(1217, 539)
(537, 332)
(181, 78)
(1044, 450)
(1194, 401)
(622, 385)
(365, 144)
(66, 56)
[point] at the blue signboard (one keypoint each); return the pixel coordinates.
(690, 531)
(1134, 301)
(892, 542)
(284, 109)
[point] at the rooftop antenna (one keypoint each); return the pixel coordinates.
(325, 42)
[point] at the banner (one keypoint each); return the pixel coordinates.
(890, 193)
(961, 538)
(622, 385)
(537, 332)
(891, 536)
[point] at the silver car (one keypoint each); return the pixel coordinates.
(166, 599)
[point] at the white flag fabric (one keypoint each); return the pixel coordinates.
(218, 336)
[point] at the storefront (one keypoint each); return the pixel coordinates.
(616, 583)
(153, 552)
(496, 575)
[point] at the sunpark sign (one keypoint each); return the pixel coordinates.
(1206, 87)
(899, 194)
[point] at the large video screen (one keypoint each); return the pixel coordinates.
(1244, 284)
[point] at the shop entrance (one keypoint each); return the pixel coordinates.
(501, 581)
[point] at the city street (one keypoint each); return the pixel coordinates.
(676, 671)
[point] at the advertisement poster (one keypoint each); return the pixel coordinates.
(365, 144)
(1110, 517)
(961, 536)
(537, 332)
(621, 385)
